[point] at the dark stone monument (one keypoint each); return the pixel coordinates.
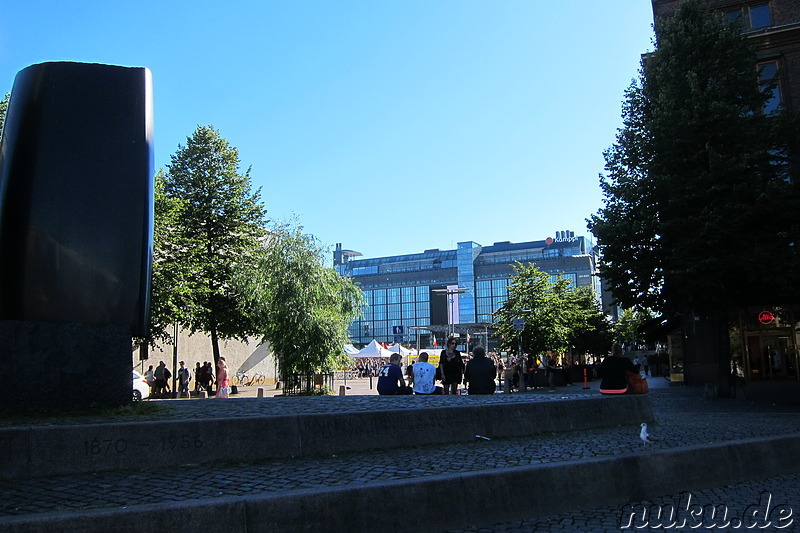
(76, 225)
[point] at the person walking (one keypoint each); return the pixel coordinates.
(223, 383)
(161, 379)
(451, 366)
(184, 377)
(150, 378)
(198, 377)
(530, 363)
(480, 373)
(551, 373)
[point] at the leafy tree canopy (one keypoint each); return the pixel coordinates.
(699, 212)
(556, 315)
(626, 328)
(301, 307)
(591, 330)
(4, 110)
(210, 225)
(170, 288)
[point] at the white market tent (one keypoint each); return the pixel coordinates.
(402, 350)
(373, 349)
(349, 349)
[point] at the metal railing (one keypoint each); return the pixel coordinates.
(302, 384)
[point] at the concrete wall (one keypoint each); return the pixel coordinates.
(247, 357)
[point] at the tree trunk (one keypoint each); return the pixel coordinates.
(707, 351)
(215, 347)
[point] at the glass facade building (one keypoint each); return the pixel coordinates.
(462, 286)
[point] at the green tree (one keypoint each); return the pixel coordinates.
(591, 331)
(170, 273)
(218, 229)
(627, 327)
(699, 215)
(545, 308)
(298, 305)
(3, 111)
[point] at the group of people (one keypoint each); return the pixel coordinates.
(203, 377)
(478, 374)
(619, 375)
(158, 378)
(367, 368)
(525, 369)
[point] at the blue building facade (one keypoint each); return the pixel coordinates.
(439, 289)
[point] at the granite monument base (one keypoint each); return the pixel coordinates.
(61, 366)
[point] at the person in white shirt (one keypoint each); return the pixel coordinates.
(424, 375)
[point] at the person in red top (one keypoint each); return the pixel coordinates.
(223, 383)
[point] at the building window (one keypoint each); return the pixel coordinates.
(423, 293)
(571, 278)
(393, 296)
(753, 17)
(769, 80)
(407, 293)
(379, 296)
(760, 16)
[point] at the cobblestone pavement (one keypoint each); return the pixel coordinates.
(740, 501)
(683, 418)
(359, 398)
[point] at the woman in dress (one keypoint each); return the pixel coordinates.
(223, 386)
(452, 367)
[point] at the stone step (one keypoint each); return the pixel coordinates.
(699, 444)
(476, 495)
(40, 450)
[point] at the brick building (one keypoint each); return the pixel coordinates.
(764, 340)
(775, 28)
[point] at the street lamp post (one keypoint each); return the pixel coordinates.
(522, 363)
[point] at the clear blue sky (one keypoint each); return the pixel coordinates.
(391, 126)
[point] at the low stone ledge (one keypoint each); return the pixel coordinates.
(484, 497)
(57, 450)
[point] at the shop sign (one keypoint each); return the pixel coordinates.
(766, 317)
(551, 240)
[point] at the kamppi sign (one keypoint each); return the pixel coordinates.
(766, 317)
(551, 240)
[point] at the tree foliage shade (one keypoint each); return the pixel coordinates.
(698, 211)
(298, 304)
(4, 110)
(557, 315)
(170, 273)
(627, 326)
(209, 225)
(219, 271)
